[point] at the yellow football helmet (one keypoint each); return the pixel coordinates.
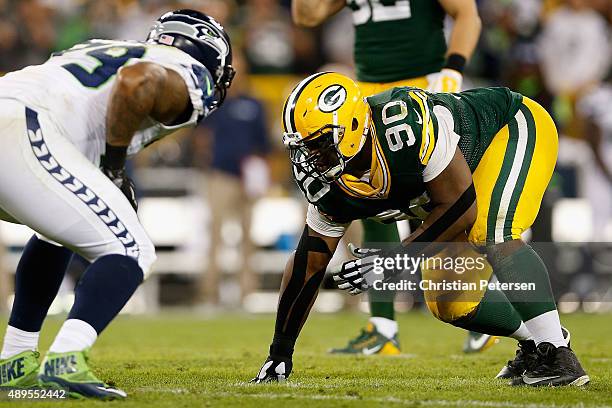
(325, 122)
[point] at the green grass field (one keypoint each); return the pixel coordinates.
(185, 361)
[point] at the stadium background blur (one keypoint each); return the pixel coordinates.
(225, 189)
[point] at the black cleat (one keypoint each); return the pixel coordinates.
(526, 358)
(556, 366)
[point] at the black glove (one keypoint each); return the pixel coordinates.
(274, 370)
(124, 183)
(113, 166)
(357, 275)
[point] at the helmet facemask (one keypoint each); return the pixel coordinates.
(318, 155)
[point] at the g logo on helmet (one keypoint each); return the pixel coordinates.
(332, 98)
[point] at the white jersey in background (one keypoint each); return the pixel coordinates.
(73, 87)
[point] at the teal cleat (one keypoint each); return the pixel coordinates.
(19, 371)
(69, 371)
(370, 342)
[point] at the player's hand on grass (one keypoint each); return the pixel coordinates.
(120, 178)
(357, 276)
(274, 370)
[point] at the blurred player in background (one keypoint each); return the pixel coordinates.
(595, 109)
(231, 145)
(67, 127)
(400, 43)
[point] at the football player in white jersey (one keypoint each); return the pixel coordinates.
(66, 128)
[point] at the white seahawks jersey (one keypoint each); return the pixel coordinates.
(74, 88)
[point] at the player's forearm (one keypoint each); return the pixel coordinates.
(303, 275)
(311, 13)
(444, 223)
(465, 32)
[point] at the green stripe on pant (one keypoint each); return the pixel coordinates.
(502, 179)
(522, 177)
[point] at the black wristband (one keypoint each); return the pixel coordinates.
(282, 346)
(456, 62)
(114, 157)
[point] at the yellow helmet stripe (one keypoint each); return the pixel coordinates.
(289, 108)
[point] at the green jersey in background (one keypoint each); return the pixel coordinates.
(397, 39)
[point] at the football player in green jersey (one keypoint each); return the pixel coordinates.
(480, 160)
(400, 43)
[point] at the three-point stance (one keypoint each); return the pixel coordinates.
(477, 161)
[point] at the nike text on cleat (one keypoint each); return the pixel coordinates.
(370, 342)
(69, 371)
(555, 366)
(20, 370)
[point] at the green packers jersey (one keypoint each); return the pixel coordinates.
(397, 39)
(415, 135)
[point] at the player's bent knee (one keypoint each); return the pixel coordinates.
(147, 257)
(449, 311)
(141, 250)
(454, 290)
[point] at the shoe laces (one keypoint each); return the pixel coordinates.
(548, 358)
(361, 337)
(525, 352)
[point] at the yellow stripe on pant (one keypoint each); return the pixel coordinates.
(509, 188)
(510, 181)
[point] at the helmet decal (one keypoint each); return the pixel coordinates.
(203, 38)
(288, 119)
(332, 98)
(324, 119)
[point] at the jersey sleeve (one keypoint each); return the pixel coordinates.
(446, 142)
(197, 78)
(323, 225)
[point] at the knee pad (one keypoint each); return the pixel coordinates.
(448, 303)
(146, 257)
(143, 252)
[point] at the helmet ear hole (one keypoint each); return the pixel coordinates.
(354, 125)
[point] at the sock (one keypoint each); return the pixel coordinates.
(525, 266)
(522, 333)
(104, 289)
(547, 328)
(383, 309)
(38, 277)
(494, 315)
(75, 335)
(17, 341)
(381, 302)
(386, 327)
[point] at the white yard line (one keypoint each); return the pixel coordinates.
(361, 399)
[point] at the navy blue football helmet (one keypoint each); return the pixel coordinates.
(203, 38)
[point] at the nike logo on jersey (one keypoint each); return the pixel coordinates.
(420, 120)
(530, 380)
